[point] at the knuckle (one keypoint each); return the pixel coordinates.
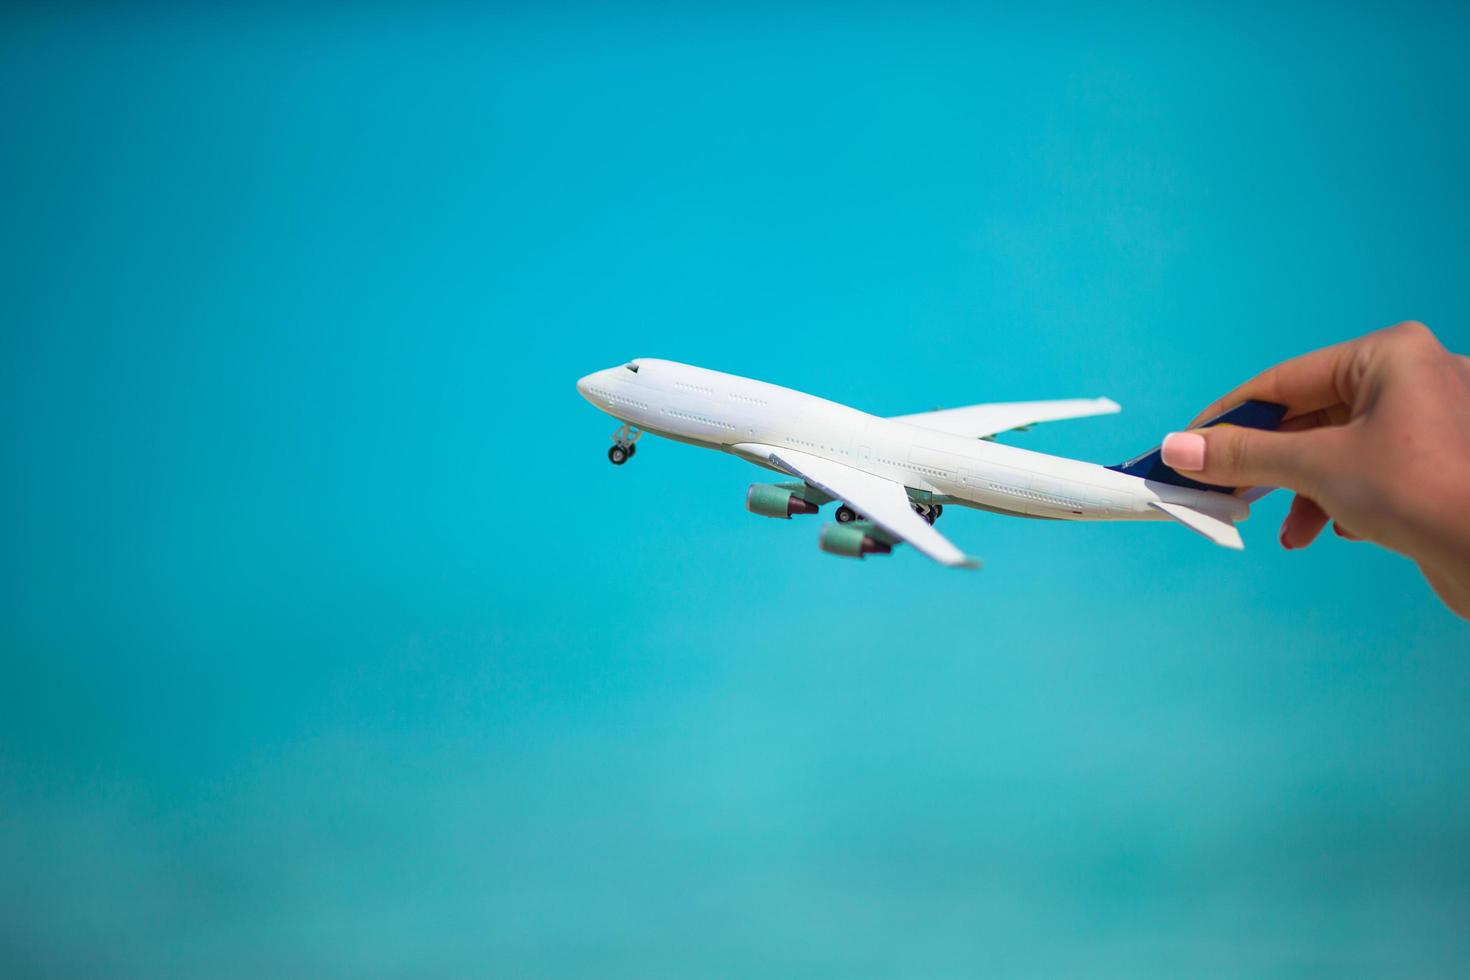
(1268, 383)
(1413, 334)
(1237, 450)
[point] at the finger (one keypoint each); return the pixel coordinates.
(1338, 414)
(1303, 523)
(1343, 532)
(1303, 384)
(1233, 456)
(1326, 376)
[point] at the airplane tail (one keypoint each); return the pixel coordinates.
(1251, 414)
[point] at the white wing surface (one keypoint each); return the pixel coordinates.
(1217, 529)
(881, 501)
(982, 421)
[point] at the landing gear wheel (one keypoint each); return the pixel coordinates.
(624, 444)
(846, 515)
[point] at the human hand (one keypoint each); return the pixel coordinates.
(1376, 439)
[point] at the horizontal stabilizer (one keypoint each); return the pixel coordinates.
(1217, 529)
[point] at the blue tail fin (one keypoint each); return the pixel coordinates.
(1252, 415)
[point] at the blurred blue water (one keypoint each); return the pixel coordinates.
(334, 647)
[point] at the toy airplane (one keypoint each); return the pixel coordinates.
(893, 476)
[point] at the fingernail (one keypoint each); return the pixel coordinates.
(1282, 536)
(1184, 450)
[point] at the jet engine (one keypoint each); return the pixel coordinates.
(769, 500)
(851, 541)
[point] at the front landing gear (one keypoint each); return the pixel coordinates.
(624, 444)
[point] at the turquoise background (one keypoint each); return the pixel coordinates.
(332, 645)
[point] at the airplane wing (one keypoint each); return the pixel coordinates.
(984, 421)
(881, 501)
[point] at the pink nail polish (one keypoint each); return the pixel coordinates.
(1184, 451)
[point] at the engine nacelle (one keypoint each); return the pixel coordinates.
(768, 500)
(851, 542)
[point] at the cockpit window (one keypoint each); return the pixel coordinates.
(631, 367)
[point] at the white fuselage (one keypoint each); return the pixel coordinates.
(721, 411)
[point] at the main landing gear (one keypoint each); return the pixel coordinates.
(624, 444)
(929, 512)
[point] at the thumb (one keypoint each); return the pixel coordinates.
(1232, 456)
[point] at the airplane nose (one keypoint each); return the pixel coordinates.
(584, 387)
